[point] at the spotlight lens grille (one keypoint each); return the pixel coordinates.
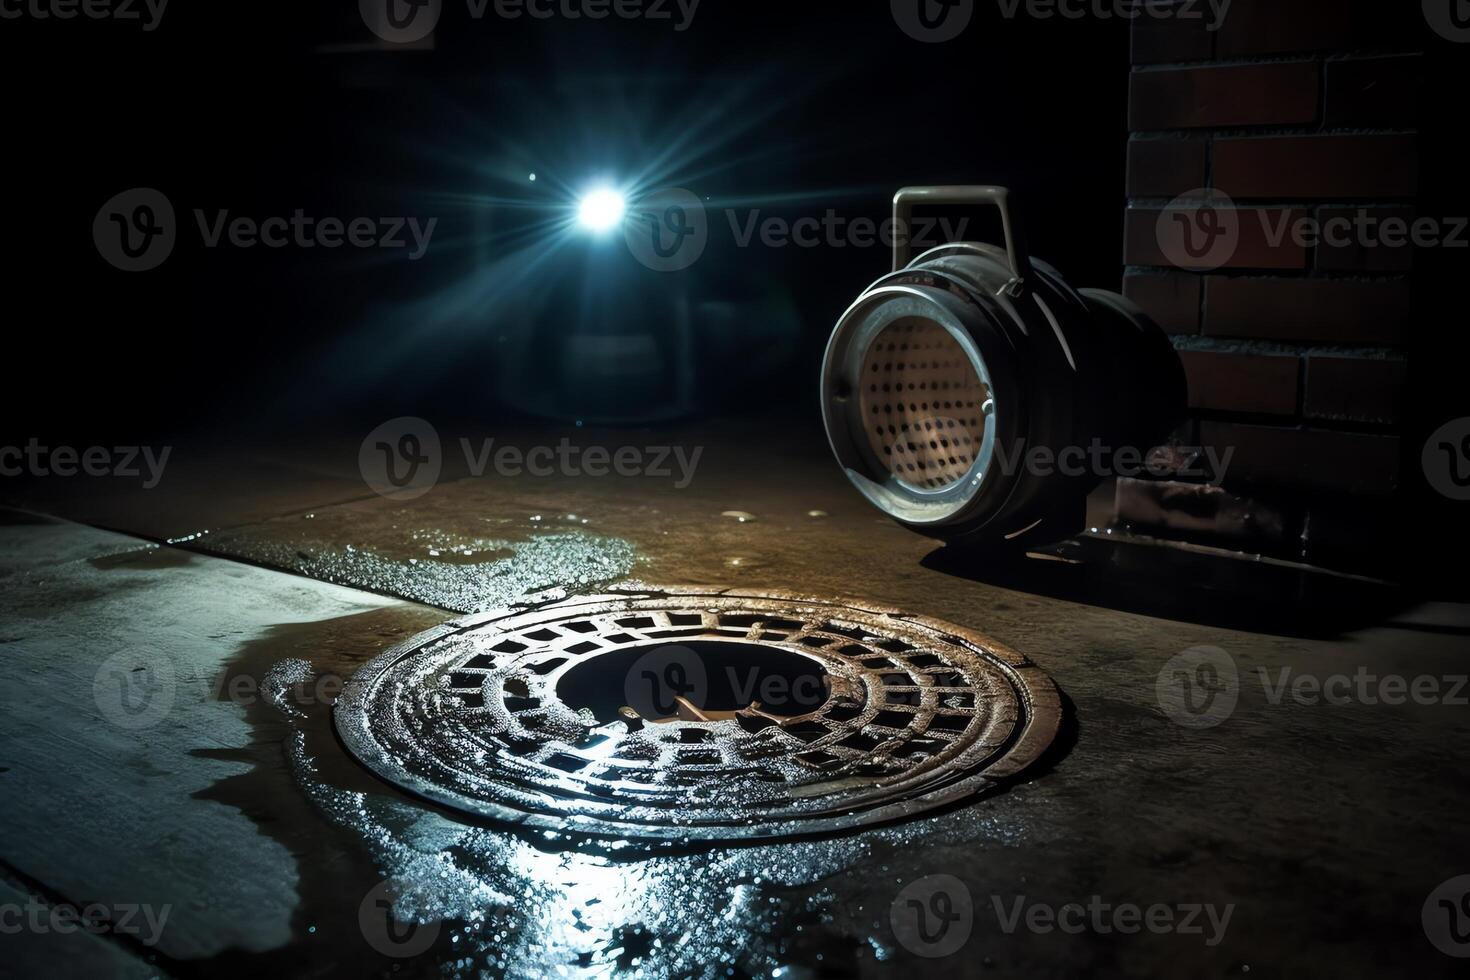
(923, 404)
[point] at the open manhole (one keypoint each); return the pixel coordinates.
(697, 715)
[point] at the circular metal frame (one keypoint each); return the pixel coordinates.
(920, 713)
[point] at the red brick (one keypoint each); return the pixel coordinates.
(1318, 166)
(1164, 168)
(1236, 95)
(1374, 91)
(1306, 459)
(1253, 250)
(1172, 299)
(1229, 382)
(1255, 27)
(1341, 311)
(1361, 254)
(1355, 389)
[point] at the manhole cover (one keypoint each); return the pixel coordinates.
(697, 714)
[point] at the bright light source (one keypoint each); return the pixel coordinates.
(601, 210)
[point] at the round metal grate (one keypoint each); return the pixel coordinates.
(923, 405)
(697, 715)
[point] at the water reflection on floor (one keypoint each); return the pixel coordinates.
(546, 904)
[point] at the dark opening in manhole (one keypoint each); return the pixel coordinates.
(699, 678)
(698, 714)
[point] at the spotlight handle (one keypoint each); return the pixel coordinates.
(903, 207)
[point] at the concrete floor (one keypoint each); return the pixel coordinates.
(1323, 828)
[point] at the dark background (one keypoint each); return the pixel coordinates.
(787, 108)
(791, 109)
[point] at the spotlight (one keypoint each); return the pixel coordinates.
(601, 210)
(949, 370)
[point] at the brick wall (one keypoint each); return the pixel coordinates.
(1295, 353)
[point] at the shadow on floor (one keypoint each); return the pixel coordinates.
(1187, 586)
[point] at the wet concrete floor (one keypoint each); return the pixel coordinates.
(1319, 829)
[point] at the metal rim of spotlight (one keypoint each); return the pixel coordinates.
(406, 717)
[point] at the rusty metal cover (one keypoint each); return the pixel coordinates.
(697, 714)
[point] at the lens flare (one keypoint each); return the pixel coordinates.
(601, 210)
